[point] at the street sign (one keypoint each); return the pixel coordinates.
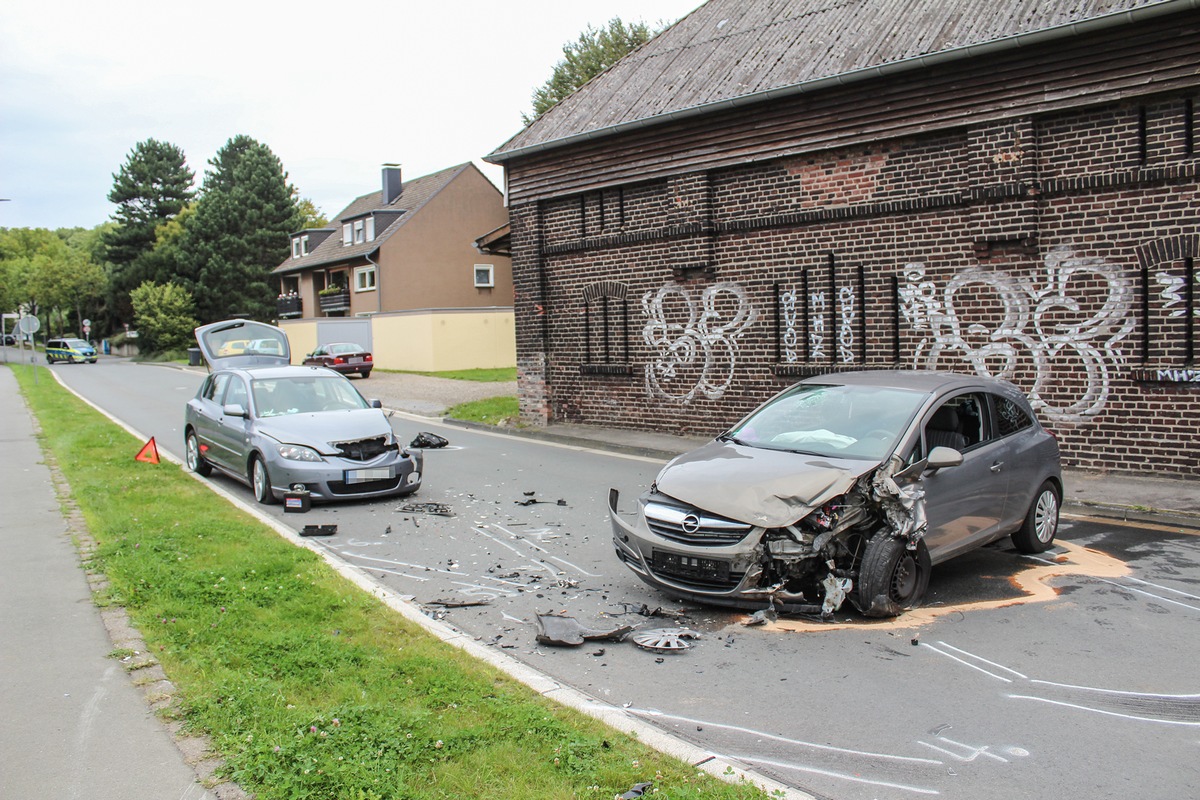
(29, 324)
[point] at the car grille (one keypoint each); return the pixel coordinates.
(366, 487)
(702, 574)
(364, 449)
(694, 527)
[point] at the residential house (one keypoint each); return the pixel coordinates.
(398, 272)
(767, 191)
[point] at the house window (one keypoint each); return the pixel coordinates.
(359, 232)
(304, 245)
(606, 329)
(296, 247)
(346, 235)
(370, 229)
(364, 279)
(484, 276)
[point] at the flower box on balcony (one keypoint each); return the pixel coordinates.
(289, 306)
(337, 301)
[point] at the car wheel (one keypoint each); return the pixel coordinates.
(1037, 533)
(260, 482)
(366, 373)
(195, 461)
(892, 578)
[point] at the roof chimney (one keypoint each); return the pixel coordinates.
(391, 183)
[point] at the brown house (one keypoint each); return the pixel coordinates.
(398, 272)
(773, 190)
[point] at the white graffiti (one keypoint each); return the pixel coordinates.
(816, 331)
(787, 302)
(696, 341)
(847, 314)
(1173, 294)
(1076, 316)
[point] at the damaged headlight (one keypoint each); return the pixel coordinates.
(294, 452)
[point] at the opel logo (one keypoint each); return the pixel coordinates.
(690, 524)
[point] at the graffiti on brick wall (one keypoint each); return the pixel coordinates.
(1073, 316)
(791, 322)
(847, 313)
(1173, 294)
(816, 330)
(694, 339)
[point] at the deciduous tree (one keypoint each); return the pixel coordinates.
(164, 315)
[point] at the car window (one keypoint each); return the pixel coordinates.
(838, 421)
(320, 351)
(1010, 417)
(960, 423)
(77, 343)
(216, 387)
(236, 394)
(275, 397)
(343, 348)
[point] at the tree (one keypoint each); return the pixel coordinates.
(593, 52)
(164, 316)
(311, 215)
(151, 187)
(239, 232)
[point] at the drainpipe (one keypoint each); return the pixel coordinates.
(378, 283)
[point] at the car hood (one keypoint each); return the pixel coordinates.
(770, 488)
(320, 429)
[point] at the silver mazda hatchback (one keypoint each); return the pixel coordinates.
(847, 486)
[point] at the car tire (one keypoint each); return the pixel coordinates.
(260, 481)
(366, 373)
(892, 579)
(1037, 532)
(195, 461)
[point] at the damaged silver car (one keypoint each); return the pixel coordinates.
(847, 486)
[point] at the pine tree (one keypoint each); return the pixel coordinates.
(239, 232)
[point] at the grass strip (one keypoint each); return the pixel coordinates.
(305, 685)
(491, 411)
(496, 375)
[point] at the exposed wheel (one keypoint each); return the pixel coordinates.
(260, 482)
(892, 578)
(1037, 533)
(195, 461)
(366, 373)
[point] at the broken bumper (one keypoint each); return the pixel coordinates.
(340, 479)
(726, 575)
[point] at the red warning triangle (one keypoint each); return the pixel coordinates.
(149, 452)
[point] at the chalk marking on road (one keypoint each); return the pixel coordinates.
(831, 774)
(1102, 711)
(966, 663)
(1149, 594)
(473, 589)
(984, 660)
(404, 564)
(973, 751)
(1123, 693)
(647, 712)
(1164, 588)
(537, 562)
(578, 569)
(399, 574)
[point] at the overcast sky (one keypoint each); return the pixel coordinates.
(335, 91)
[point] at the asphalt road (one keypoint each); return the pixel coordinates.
(1069, 675)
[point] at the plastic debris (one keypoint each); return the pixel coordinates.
(428, 441)
(318, 530)
(439, 509)
(637, 790)
(665, 640)
(567, 632)
(761, 617)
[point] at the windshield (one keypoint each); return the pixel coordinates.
(274, 397)
(77, 343)
(837, 421)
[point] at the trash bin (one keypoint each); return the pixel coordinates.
(194, 359)
(107, 347)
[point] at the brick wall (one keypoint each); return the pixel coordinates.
(1055, 251)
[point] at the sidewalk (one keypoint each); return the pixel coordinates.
(74, 723)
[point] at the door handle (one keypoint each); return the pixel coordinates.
(996, 467)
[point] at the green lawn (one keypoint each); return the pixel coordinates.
(492, 411)
(308, 686)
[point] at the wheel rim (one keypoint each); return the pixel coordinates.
(904, 578)
(193, 453)
(1046, 516)
(260, 480)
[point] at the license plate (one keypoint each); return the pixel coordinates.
(355, 359)
(368, 475)
(683, 566)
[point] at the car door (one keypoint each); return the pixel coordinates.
(206, 411)
(231, 436)
(964, 504)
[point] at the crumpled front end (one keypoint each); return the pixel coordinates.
(809, 565)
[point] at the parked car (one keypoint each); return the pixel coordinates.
(70, 350)
(10, 340)
(847, 486)
(344, 357)
(280, 428)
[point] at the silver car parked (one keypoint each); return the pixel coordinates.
(847, 486)
(280, 428)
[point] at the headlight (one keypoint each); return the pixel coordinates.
(294, 452)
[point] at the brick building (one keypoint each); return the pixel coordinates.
(768, 191)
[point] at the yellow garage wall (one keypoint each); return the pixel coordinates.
(428, 341)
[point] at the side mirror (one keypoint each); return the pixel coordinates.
(235, 410)
(376, 403)
(941, 457)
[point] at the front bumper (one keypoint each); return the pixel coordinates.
(327, 480)
(727, 575)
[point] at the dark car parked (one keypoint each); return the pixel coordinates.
(847, 486)
(344, 357)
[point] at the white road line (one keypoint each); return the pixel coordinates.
(1164, 588)
(1147, 695)
(966, 663)
(1148, 594)
(984, 660)
(646, 712)
(831, 774)
(1102, 711)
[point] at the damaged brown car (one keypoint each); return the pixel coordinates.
(847, 486)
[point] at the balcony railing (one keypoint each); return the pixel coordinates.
(288, 307)
(335, 302)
